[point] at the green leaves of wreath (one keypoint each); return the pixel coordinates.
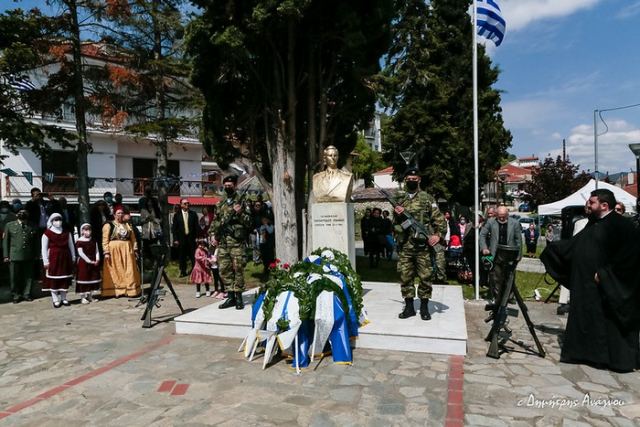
(295, 279)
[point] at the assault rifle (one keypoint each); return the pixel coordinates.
(225, 227)
(419, 232)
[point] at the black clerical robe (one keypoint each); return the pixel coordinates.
(604, 319)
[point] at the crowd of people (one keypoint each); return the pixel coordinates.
(42, 240)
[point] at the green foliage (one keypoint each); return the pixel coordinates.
(555, 179)
(367, 162)
(24, 44)
(427, 86)
(294, 278)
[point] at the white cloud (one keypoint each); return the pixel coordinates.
(530, 113)
(556, 135)
(613, 147)
(629, 10)
(520, 13)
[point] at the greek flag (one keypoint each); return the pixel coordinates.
(491, 24)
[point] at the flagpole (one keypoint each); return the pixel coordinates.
(476, 183)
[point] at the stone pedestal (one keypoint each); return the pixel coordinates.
(332, 226)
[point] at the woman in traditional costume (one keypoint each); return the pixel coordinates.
(58, 257)
(88, 271)
(120, 274)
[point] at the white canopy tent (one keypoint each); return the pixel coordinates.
(580, 197)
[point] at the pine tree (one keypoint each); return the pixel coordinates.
(151, 90)
(283, 79)
(427, 85)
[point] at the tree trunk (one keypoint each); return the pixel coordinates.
(284, 201)
(284, 167)
(162, 149)
(82, 147)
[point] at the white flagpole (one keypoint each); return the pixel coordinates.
(476, 183)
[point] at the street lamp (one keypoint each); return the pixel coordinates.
(502, 176)
(635, 149)
(596, 113)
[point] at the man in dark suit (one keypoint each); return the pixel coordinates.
(20, 249)
(37, 210)
(501, 230)
(185, 229)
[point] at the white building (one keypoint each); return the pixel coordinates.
(118, 163)
(373, 134)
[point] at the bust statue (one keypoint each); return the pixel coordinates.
(333, 184)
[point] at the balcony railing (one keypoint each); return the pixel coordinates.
(20, 186)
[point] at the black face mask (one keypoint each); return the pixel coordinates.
(229, 191)
(412, 185)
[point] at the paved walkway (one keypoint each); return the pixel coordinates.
(95, 365)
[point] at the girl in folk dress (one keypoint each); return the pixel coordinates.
(88, 271)
(218, 285)
(200, 273)
(58, 257)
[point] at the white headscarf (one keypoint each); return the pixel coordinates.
(81, 237)
(50, 225)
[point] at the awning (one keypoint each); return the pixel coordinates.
(194, 201)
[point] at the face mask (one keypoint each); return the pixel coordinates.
(229, 191)
(412, 185)
(57, 223)
(108, 200)
(86, 233)
(4, 210)
(17, 207)
(463, 221)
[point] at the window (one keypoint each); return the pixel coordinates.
(59, 170)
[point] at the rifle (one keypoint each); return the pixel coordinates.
(225, 227)
(419, 231)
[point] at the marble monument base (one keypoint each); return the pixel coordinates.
(332, 226)
(445, 333)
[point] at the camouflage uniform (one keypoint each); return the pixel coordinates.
(231, 230)
(414, 258)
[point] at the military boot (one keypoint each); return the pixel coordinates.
(424, 309)
(408, 311)
(239, 302)
(230, 301)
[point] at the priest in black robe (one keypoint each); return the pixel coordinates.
(600, 265)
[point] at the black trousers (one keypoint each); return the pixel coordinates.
(186, 251)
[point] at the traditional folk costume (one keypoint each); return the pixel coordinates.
(58, 256)
(120, 274)
(200, 273)
(88, 271)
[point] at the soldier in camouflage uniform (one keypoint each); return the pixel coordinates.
(414, 254)
(230, 229)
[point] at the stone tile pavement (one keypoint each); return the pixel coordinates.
(95, 365)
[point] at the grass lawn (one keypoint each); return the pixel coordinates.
(527, 282)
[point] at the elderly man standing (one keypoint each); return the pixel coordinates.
(501, 230)
(414, 252)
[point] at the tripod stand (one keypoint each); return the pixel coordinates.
(156, 291)
(506, 258)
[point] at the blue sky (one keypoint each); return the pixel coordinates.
(560, 60)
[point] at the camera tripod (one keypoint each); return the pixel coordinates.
(152, 299)
(500, 332)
